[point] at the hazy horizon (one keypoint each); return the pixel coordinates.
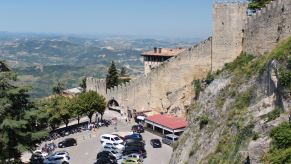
(172, 19)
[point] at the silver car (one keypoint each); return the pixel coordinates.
(169, 139)
(133, 155)
(61, 157)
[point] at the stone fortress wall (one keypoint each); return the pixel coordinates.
(233, 32)
(267, 27)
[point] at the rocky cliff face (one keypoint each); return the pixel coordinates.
(234, 114)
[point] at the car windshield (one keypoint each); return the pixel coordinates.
(116, 138)
(115, 144)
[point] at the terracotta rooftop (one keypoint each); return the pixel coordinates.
(163, 52)
(168, 121)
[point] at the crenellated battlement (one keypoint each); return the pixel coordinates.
(272, 6)
(264, 29)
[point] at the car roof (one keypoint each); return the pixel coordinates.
(109, 135)
(155, 139)
(172, 135)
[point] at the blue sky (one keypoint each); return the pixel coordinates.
(170, 18)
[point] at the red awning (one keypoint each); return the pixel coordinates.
(168, 121)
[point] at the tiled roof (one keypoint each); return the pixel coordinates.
(168, 121)
(164, 52)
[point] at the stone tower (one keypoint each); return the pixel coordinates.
(228, 24)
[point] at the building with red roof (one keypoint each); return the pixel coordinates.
(166, 122)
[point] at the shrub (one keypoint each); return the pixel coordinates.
(191, 153)
(243, 99)
(274, 114)
(278, 156)
(255, 136)
(239, 62)
(285, 78)
(281, 136)
(197, 87)
(209, 78)
(203, 121)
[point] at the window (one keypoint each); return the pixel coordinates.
(107, 138)
(58, 158)
(116, 138)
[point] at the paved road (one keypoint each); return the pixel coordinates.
(89, 145)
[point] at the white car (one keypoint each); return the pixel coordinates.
(109, 138)
(118, 146)
(133, 155)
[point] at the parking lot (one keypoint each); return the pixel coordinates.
(89, 144)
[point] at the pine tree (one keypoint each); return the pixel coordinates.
(112, 76)
(18, 129)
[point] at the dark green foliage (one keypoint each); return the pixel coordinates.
(243, 99)
(281, 136)
(19, 130)
(285, 78)
(274, 114)
(203, 121)
(112, 76)
(197, 88)
(258, 4)
(242, 60)
(91, 102)
(83, 84)
(281, 145)
(209, 78)
(255, 136)
(59, 88)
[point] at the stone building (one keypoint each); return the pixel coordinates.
(156, 56)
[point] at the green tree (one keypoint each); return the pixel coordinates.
(59, 88)
(18, 130)
(112, 76)
(83, 84)
(123, 76)
(76, 109)
(258, 4)
(64, 109)
(92, 102)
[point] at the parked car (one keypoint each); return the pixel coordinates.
(156, 143)
(67, 142)
(133, 149)
(57, 158)
(169, 139)
(107, 154)
(116, 154)
(132, 140)
(106, 157)
(137, 128)
(40, 152)
(132, 161)
(113, 145)
(36, 158)
(105, 160)
(110, 138)
(135, 143)
(133, 155)
(135, 136)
